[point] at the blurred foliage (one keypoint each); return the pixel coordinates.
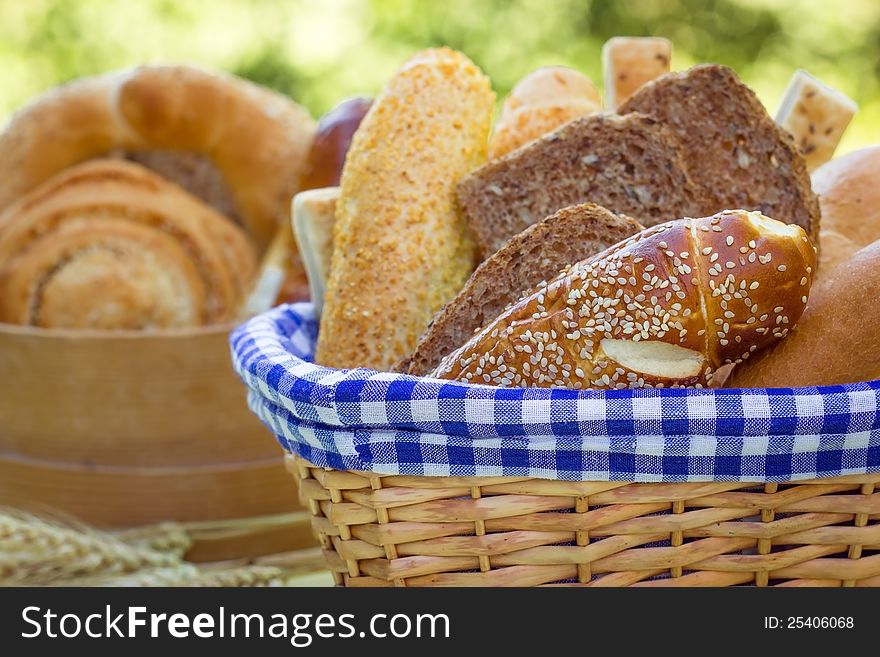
(321, 51)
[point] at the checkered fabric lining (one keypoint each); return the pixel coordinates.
(388, 423)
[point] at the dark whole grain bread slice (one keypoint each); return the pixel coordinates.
(629, 164)
(733, 150)
(534, 255)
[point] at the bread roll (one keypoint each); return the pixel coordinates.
(630, 62)
(836, 341)
(110, 245)
(541, 102)
(849, 196)
(662, 309)
(257, 139)
(400, 249)
(331, 143)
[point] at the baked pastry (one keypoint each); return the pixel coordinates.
(630, 62)
(816, 116)
(400, 248)
(534, 256)
(108, 244)
(287, 273)
(247, 143)
(663, 309)
(541, 102)
(688, 144)
(838, 338)
(314, 217)
(849, 195)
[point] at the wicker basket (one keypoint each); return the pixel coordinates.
(514, 531)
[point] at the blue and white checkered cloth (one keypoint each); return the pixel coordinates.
(360, 419)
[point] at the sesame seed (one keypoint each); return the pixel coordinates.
(781, 267)
(729, 240)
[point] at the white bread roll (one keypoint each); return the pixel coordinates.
(665, 308)
(849, 196)
(541, 102)
(837, 340)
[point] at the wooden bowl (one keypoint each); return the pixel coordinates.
(131, 428)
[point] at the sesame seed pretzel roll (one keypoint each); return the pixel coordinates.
(400, 248)
(665, 308)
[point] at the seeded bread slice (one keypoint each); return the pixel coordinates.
(733, 150)
(629, 164)
(538, 253)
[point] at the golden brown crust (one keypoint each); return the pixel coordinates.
(400, 249)
(849, 195)
(108, 211)
(720, 288)
(257, 139)
(836, 341)
(541, 102)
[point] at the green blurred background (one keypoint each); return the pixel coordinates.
(319, 52)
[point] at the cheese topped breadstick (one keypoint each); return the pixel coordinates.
(816, 115)
(630, 62)
(400, 249)
(541, 102)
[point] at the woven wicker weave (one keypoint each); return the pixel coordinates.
(509, 531)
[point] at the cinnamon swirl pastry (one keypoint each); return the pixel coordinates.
(238, 146)
(108, 244)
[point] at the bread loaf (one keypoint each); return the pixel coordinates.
(663, 309)
(689, 144)
(630, 165)
(110, 245)
(836, 341)
(849, 195)
(400, 249)
(541, 102)
(257, 139)
(734, 152)
(534, 256)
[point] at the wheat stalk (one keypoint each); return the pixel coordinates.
(165, 537)
(41, 550)
(36, 550)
